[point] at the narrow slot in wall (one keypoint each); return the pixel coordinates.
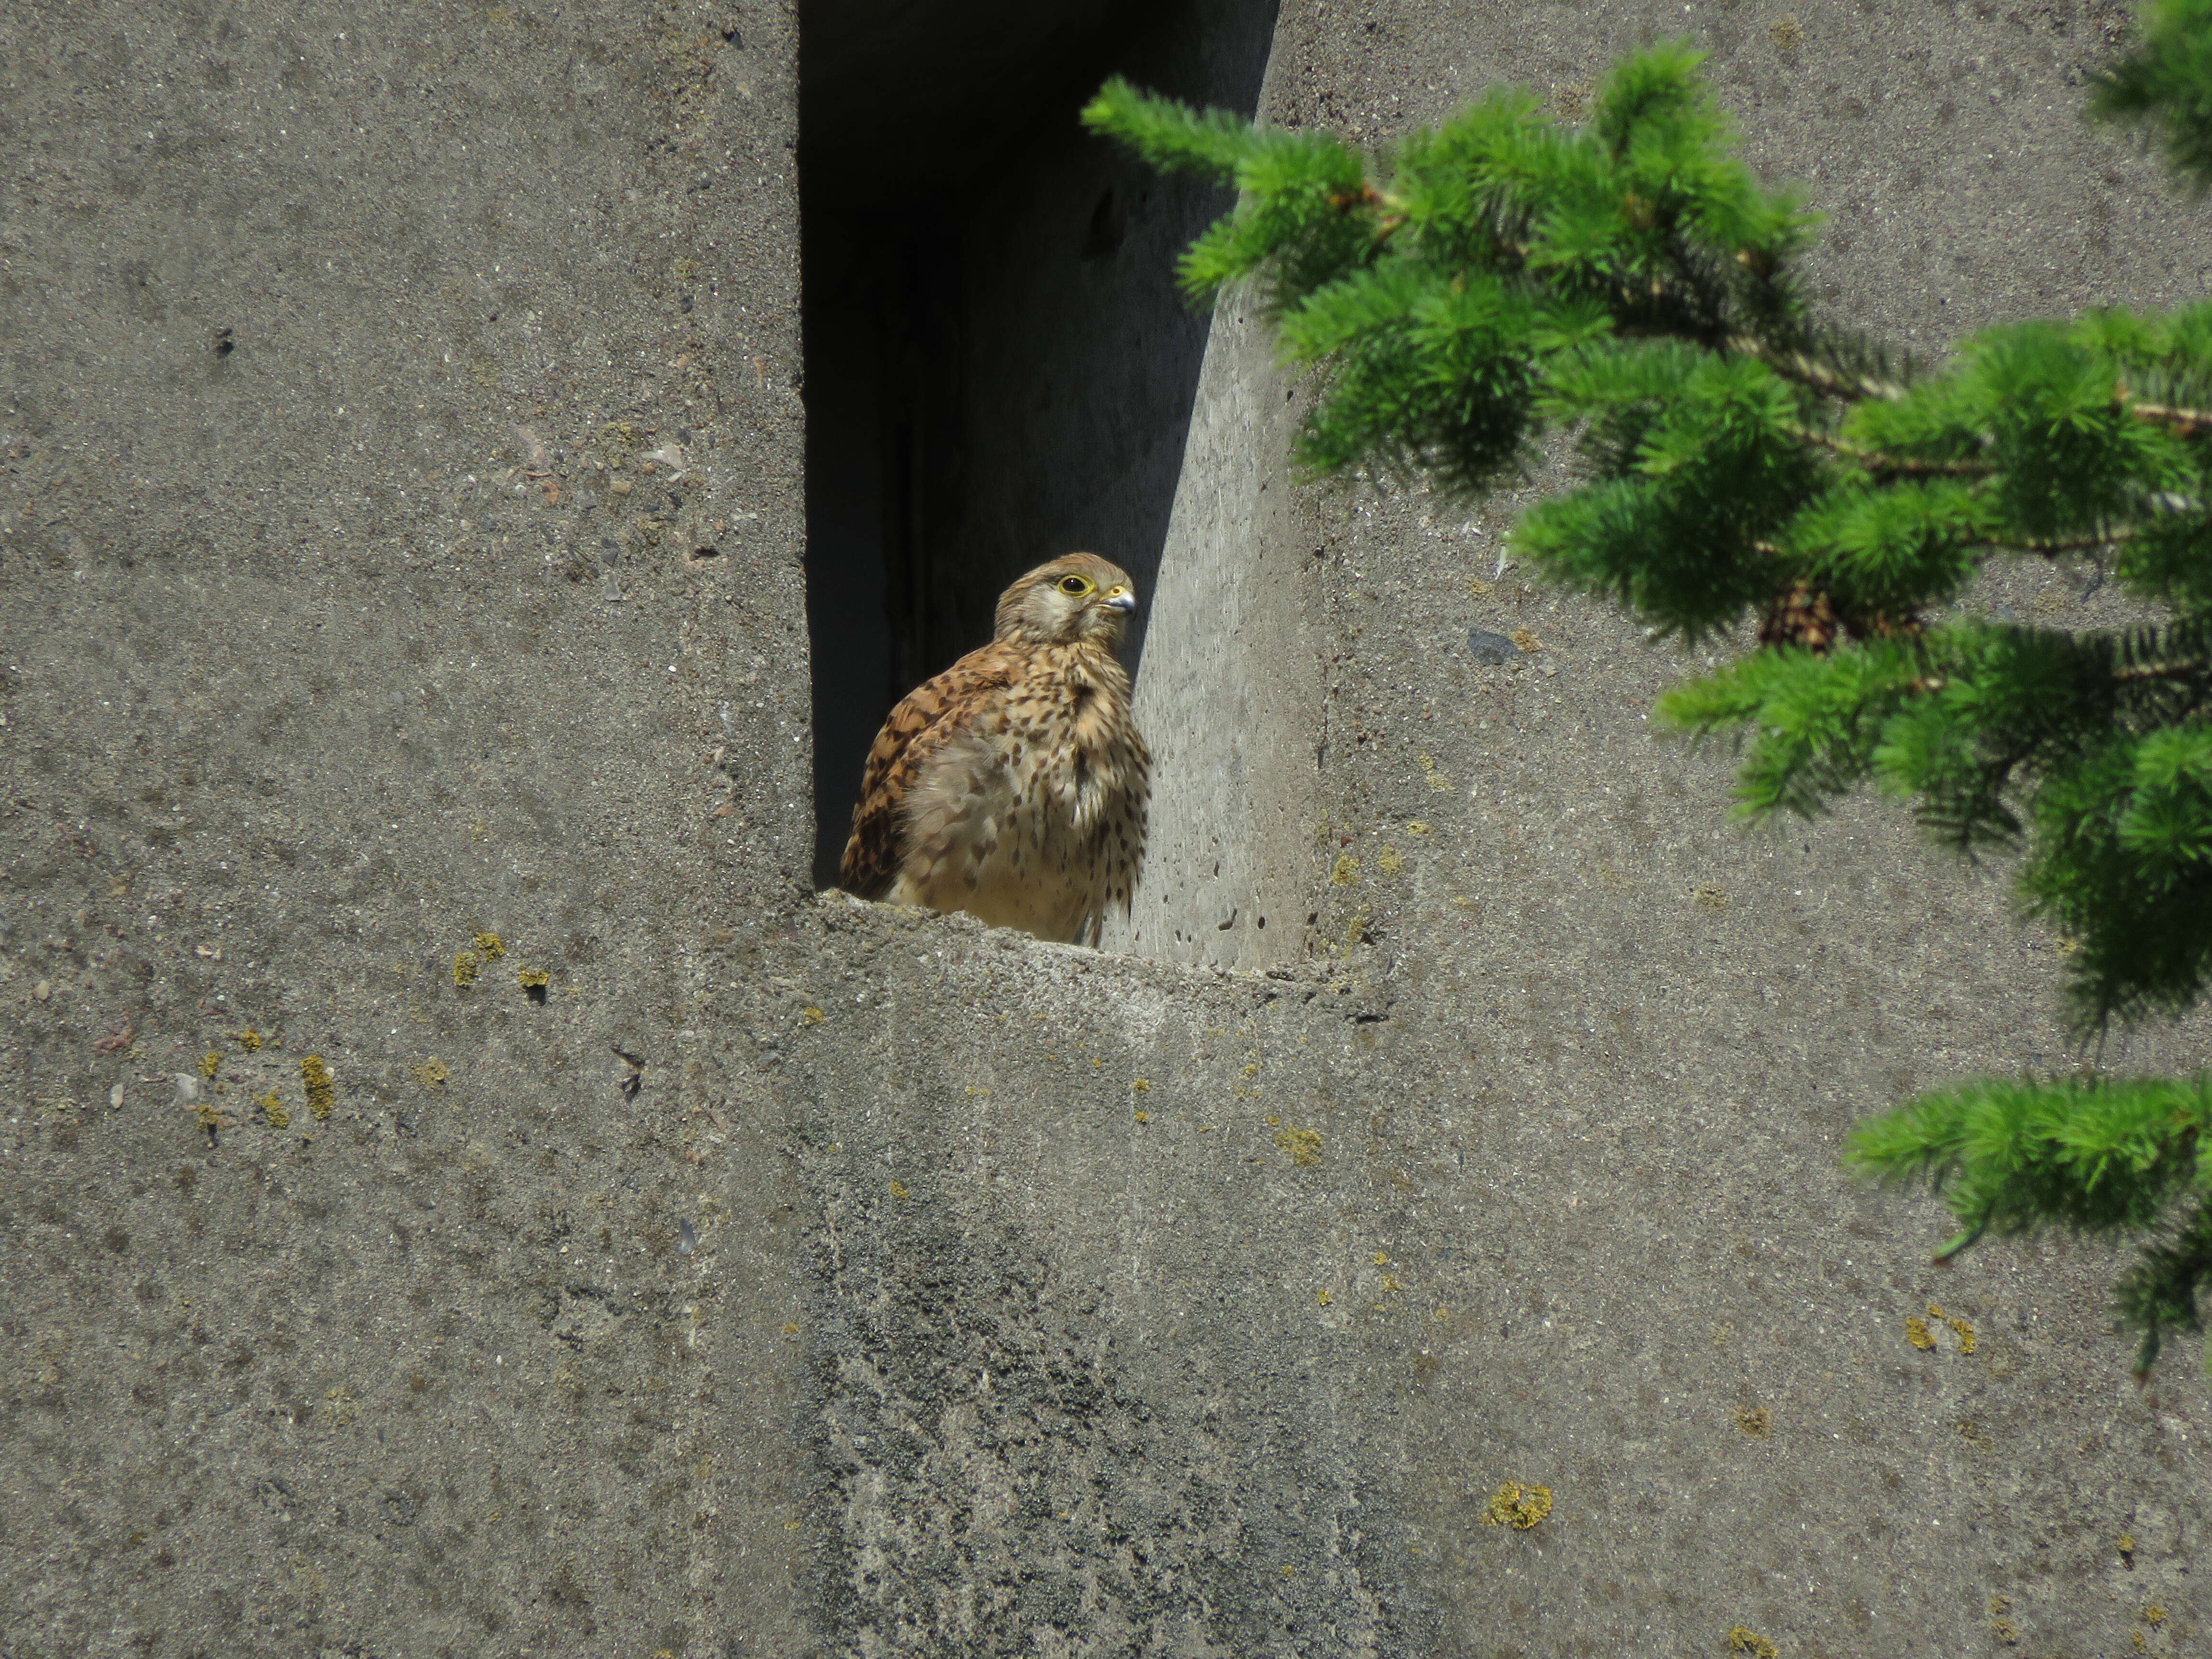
(999, 366)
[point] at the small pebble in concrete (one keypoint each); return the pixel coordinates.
(1490, 648)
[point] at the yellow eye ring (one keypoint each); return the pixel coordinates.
(1073, 585)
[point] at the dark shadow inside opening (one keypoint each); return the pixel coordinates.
(999, 366)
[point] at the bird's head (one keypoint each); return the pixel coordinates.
(1078, 598)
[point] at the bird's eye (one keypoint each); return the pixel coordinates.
(1073, 585)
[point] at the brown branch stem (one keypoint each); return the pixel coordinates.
(1876, 461)
(2057, 547)
(2190, 669)
(1815, 375)
(2185, 422)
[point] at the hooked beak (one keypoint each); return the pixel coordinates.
(1121, 599)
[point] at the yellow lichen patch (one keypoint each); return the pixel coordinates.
(1390, 1285)
(1303, 1145)
(1517, 1506)
(1478, 589)
(1526, 639)
(1390, 861)
(466, 966)
(1754, 1421)
(1323, 1298)
(2153, 1615)
(898, 1189)
(1964, 1332)
(1750, 1643)
(1786, 31)
(321, 1084)
(212, 1117)
(1144, 1117)
(2005, 1631)
(273, 1109)
(249, 1041)
(1917, 1333)
(1381, 1258)
(2126, 1543)
(1140, 1085)
(491, 946)
(1416, 827)
(1712, 898)
(1344, 872)
(211, 1063)
(1999, 1605)
(533, 979)
(812, 1017)
(790, 1329)
(432, 1071)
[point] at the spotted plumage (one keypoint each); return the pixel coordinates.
(1014, 785)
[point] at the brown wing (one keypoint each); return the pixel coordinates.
(926, 718)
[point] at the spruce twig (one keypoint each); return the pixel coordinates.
(1628, 281)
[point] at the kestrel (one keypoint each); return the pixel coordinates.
(1014, 785)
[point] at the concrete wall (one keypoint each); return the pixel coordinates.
(344, 622)
(802, 1277)
(1231, 689)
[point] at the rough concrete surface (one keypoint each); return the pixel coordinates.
(799, 1277)
(349, 618)
(1229, 692)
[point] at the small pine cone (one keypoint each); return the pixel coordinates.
(1804, 616)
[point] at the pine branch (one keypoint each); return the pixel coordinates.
(2099, 1157)
(2060, 547)
(1501, 274)
(1874, 460)
(2166, 84)
(2195, 669)
(2188, 423)
(1804, 370)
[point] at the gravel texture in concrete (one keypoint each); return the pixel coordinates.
(403, 675)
